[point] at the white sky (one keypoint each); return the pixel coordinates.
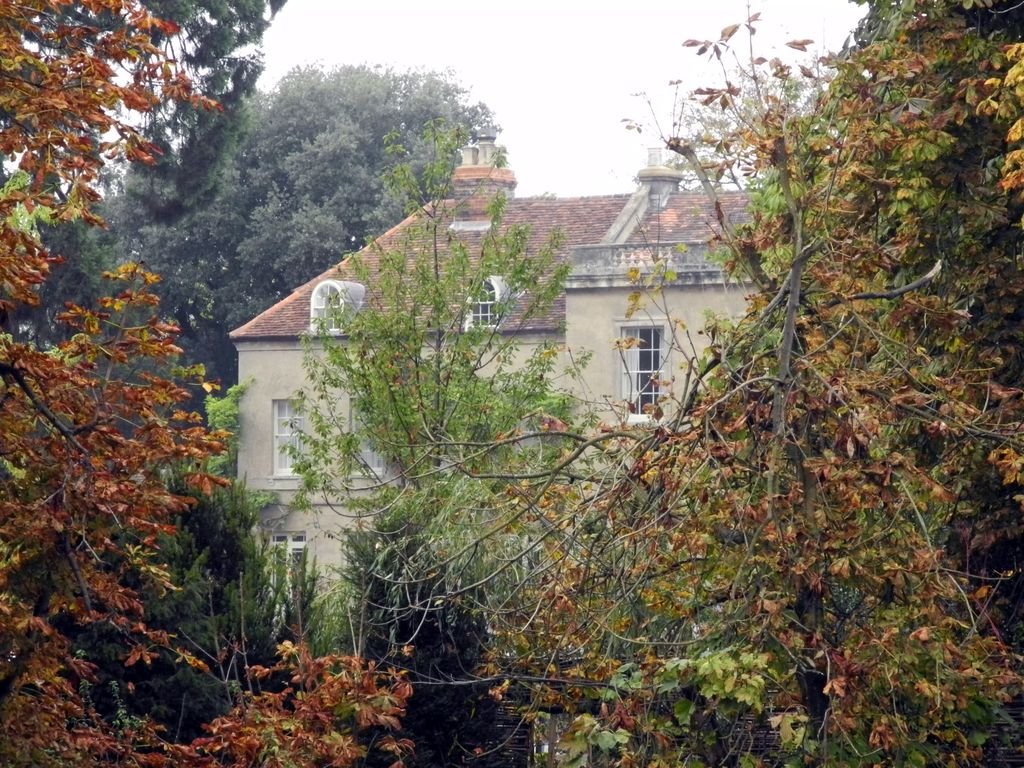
(559, 75)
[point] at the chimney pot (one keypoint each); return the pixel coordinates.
(477, 175)
(469, 155)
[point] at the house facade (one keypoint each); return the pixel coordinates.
(610, 242)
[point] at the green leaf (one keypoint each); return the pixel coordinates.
(683, 711)
(606, 740)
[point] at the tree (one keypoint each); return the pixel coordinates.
(822, 539)
(191, 146)
(389, 585)
(429, 385)
(232, 605)
(80, 492)
(217, 44)
(93, 426)
(318, 720)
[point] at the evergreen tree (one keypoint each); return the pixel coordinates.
(218, 43)
(233, 602)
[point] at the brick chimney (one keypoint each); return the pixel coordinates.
(477, 174)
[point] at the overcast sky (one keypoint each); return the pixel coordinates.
(561, 75)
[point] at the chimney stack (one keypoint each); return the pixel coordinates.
(477, 174)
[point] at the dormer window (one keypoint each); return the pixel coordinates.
(332, 301)
(486, 310)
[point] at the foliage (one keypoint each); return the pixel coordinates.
(64, 94)
(84, 443)
(426, 383)
(80, 255)
(191, 147)
(231, 606)
(222, 414)
(216, 42)
(317, 721)
(83, 502)
(440, 644)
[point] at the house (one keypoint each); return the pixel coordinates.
(608, 240)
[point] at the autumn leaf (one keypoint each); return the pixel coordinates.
(728, 32)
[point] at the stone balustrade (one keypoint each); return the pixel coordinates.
(609, 266)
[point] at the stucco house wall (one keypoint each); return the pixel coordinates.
(681, 311)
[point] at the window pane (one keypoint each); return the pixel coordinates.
(297, 549)
(288, 426)
(485, 311)
(327, 305)
(289, 549)
(642, 360)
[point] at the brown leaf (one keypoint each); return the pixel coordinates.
(1000, 392)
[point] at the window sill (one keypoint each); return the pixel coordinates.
(640, 420)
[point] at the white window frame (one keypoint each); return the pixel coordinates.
(485, 310)
(288, 426)
(293, 546)
(330, 301)
(289, 549)
(642, 365)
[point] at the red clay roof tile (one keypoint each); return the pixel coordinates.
(686, 217)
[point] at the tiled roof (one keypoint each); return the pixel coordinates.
(686, 217)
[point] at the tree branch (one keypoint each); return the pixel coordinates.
(921, 282)
(747, 254)
(77, 571)
(6, 369)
